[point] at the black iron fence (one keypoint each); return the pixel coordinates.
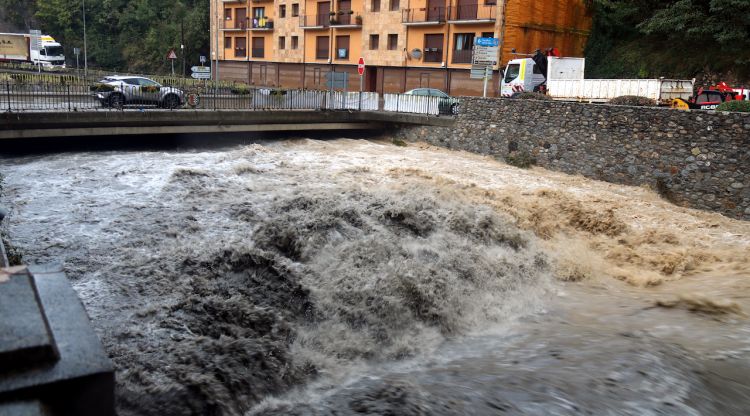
(47, 92)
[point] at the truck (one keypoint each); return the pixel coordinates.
(562, 78)
(17, 47)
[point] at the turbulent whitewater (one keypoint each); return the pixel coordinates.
(343, 276)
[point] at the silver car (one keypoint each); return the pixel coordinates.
(119, 90)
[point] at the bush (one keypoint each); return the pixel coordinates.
(102, 88)
(738, 106)
(533, 96)
(520, 159)
(633, 100)
(278, 92)
(240, 89)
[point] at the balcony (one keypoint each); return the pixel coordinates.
(423, 16)
(240, 52)
(258, 52)
(233, 1)
(315, 21)
(434, 55)
(261, 25)
(346, 19)
(321, 54)
(461, 56)
(235, 24)
(472, 13)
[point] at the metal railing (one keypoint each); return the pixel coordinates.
(262, 24)
(237, 24)
(471, 12)
(29, 94)
(423, 15)
(461, 56)
(315, 20)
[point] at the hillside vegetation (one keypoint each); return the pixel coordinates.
(707, 39)
(132, 35)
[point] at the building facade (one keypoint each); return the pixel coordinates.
(406, 44)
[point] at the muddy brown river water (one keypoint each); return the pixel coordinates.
(347, 276)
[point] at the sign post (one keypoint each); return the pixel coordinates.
(172, 56)
(361, 72)
(76, 52)
(483, 59)
(35, 44)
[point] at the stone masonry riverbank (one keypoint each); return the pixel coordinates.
(699, 159)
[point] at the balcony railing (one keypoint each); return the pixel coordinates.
(321, 53)
(472, 13)
(258, 52)
(345, 18)
(235, 24)
(433, 55)
(423, 15)
(315, 21)
(240, 52)
(264, 24)
(462, 56)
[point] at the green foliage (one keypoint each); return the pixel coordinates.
(398, 142)
(240, 89)
(101, 88)
(683, 38)
(633, 100)
(738, 106)
(133, 36)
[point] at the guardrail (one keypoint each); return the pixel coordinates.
(74, 94)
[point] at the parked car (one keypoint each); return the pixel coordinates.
(119, 90)
(447, 104)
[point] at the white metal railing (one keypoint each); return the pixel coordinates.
(412, 104)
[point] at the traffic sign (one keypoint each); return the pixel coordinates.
(492, 42)
(36, 40)
(201, 69)
(203, 59)
(171, 55)
(361, 66)
(201, 75)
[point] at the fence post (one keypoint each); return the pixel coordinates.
(7, 91)
(67, 87)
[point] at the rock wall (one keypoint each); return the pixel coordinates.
(699, 159)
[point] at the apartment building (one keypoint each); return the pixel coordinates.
(405, 43)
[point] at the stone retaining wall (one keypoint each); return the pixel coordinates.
(699, 159)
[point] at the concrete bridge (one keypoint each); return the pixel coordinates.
(33, 124)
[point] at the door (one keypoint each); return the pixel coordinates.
(435, 10)
(241, 21)
(371, 79)
(345, 6)
(324, 10)
(466, 10)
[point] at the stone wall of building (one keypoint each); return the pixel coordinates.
(699, 159)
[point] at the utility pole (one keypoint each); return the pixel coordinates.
(218, 19)
(85, 57)
(182, 45)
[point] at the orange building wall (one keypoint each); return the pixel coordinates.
(562, 24)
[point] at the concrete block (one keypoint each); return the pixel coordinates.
(81, 381)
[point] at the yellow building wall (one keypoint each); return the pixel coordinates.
(416, 41)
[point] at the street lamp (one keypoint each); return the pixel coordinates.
(85, 58)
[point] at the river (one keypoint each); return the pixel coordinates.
(347, 276)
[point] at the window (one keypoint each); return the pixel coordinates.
(258, 47)
(375, 6)
(433, 48)
(295, 42)
(282, 11)
(259, 12)
(240, 47)
(490, 2)
(374, 40)
(512, 72)
(392, 42)
(393, 5)
(342, 47)
(227, 14)
(143, 82)
(227, 42)
(282, 42)
(462, 45)
(295, 9)
(488, 34)
(321, 47)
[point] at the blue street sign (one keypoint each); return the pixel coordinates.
(487, 42)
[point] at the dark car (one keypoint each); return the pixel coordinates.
(447, 104)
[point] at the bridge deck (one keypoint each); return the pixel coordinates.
(133, 122)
